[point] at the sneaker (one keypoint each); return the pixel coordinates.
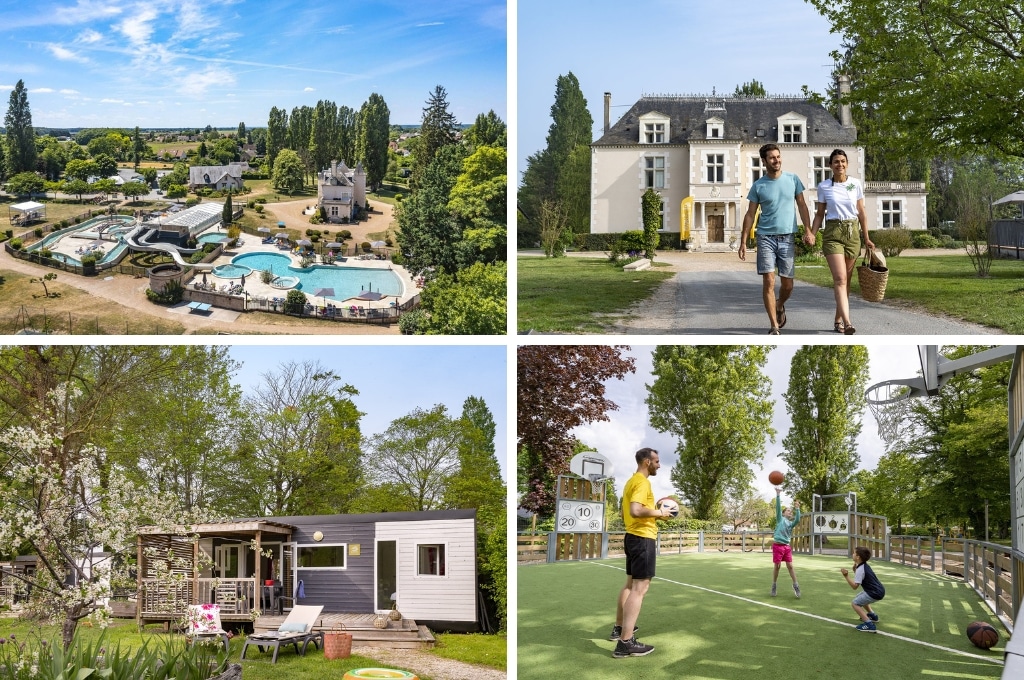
(617, 632)
(867, 627)
(873, 616)
(773, 590)
(631, 647)
(796, 590)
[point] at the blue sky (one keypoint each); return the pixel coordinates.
(394, 380)
(661, 47)
(628, 429)
(190, 63)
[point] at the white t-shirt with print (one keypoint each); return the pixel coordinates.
(840, 198)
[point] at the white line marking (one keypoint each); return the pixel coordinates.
(998, 662)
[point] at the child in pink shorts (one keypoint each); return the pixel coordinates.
(781, 552)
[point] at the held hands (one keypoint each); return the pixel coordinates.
(809, 237)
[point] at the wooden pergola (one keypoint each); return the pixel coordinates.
(167, 599)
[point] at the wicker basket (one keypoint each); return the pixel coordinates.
(872, 278)
(380, 621)
(337, 643)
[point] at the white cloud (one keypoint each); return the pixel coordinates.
(309, 89)
(42, 90)
(67, 91)
(89, 36)
(196, 84)
(87, 11)
(65, 54)
(430, 23)
(111, 101)
(138, 28)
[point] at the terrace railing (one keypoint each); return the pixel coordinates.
(236, 596)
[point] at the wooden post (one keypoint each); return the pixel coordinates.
(139, 599)
(195, 572)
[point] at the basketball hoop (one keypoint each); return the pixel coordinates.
(890, 403)
(597, 482)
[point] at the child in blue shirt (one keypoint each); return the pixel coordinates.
(873, 590)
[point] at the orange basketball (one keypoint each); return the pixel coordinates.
(776, 477)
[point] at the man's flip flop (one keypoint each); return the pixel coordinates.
(780, 314)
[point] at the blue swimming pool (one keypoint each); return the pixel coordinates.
(347, 282)
(111, 225)
(212, 237)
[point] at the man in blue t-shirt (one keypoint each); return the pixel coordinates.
(777, 193)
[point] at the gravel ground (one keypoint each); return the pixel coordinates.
(436, 667)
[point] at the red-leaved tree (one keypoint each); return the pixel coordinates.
(559, 387)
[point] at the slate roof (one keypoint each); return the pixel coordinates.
(742, 116)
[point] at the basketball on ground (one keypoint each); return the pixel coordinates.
(982, 635)
(776, 477)
(668, 504)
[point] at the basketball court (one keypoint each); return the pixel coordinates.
(710, 616)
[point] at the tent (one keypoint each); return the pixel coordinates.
(30, 210)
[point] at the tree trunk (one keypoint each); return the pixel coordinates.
(234, 672)
(67, 629)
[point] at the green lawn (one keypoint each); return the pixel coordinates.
(947, 284)
(710, 616)
(488, 650)
(567, 295)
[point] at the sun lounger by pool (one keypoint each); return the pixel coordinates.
(201, 307)
(297, 628)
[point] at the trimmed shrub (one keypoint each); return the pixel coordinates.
(412, 322)
(294, 302)
(631, 241)
(38, 231)
(16, 243)
(926, 241)
(892, 242)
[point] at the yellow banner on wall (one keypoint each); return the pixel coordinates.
(685, 218)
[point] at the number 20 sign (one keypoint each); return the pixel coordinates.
(579, 516)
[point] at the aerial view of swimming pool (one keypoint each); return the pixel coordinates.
(347, 282)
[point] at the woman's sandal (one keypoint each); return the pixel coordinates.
(838, 327)
(849, 330)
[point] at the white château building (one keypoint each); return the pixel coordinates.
(340, 191)
(704, 150)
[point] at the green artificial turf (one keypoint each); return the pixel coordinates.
(710, 616)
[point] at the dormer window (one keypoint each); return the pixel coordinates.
(792, 128)
(715, 128)
(654, 128)
(654, 133)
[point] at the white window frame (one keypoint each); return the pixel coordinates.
(712, 162)
(822, 170)
(793, 133)
(652, 172)
(715, 128)
(654, 133)
(297, 558)
(757, 168)
(889, 207)
(447, 565)
(654, 128)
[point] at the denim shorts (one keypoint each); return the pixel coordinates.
(776, 250)
(863, 598)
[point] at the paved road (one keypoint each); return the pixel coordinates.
(717, 294)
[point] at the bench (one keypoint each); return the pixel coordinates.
(201, 307)
(638, 266)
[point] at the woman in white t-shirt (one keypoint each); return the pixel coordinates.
(840, 205)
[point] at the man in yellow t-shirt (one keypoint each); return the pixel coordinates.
(639, 514)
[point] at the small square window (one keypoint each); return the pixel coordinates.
(430, 560)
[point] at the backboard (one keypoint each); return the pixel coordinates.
(929, 355)
(590, 464)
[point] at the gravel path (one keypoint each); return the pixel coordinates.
(435, 667)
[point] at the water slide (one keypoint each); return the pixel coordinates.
(133, 238)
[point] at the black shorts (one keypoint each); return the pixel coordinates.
(640, 555)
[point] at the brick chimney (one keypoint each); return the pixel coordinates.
(607, 111)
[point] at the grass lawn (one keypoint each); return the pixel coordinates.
(947, 284)
(566, 295)
(70, 310)
(488, 650)
(711, 616)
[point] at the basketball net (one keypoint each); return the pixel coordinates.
(596, 483)
(890, 405)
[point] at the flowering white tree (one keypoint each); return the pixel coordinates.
(81, 531)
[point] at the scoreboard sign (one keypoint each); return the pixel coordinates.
(579, 516)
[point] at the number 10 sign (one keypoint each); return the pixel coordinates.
(577, 516)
